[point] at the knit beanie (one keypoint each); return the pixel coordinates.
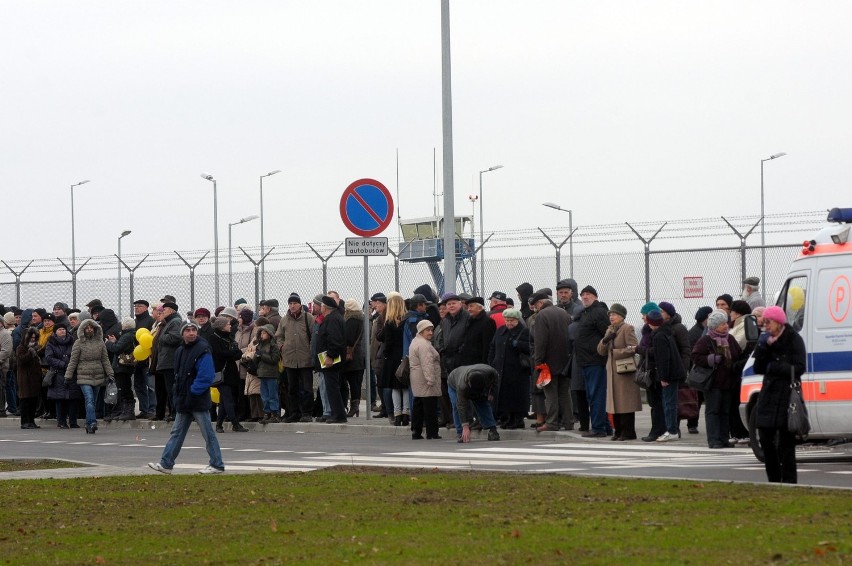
(512, 313)
(655, 318)
(668, 308)
(246, 316)
(776, 314)
(716, 318)
(220, 322)
(702, 313)
(648, 307)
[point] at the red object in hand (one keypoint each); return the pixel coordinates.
(544, 376)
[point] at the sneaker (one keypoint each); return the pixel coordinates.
(743, 440)
(667, 437)
(211, 470)
(493, 435)
(159, 467)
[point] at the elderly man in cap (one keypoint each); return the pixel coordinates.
(294, 339)
(592, 325)
(268, 308)
(378, 306)
(453, 331)
(143, 381)
(480, 333)
(751, 293)
(550, 346)
(497, 304)
(194, 372)
(168, 340)
(331, 341)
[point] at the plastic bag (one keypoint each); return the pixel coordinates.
(111, 393)
(544, 376)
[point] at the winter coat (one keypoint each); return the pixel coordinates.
(294, 338)
(391, 337)
(124, 345)
(505, 355)
(453, 333)
(331, 338)
(622, 393)
(274, 318)
(591, 327)
(477, 340)
(459, 380)
(376, 359)
(144, 320)
(695, 333)
(777, 362)
(206, 330)
(550, 340)
(20, 331)
(57, 355)
(267, 354)
(194, 373)
(726, 376)
(665, 356)
(353, 331)
(681, 337)
(425, 364)
(109, 323)
(6, 349)
(409, 324)
(89, 357)
(738, 332)
(252, 386)
(226, 353)
(168, 340)
(29, 367)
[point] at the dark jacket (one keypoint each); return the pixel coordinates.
(695, 333)
(459, 379)
(267, 353)
(477, 340)
(666, 356)
(353, 330)
(591, 327)
(109, 323)
(681, 336)
(57, 355)
(168, 340)
(453, 330)
(194, 373)
(144, 320)
(29, 367)
(779, 363)
(226, 353)
(391, 336)
(726, 376)
(124, 345)
(550, 340)
(206, 330)
(507, 351)
(331, 338)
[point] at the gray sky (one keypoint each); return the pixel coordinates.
(618, 110)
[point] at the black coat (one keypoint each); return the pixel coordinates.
(726, 376)
(56, 356)
(666, 356)
(507, 350)
(226, 353)
(331, 337)
(188, 360)
(144, 320)
(109, 323)
(353, 331)
(591, 327)
(391, 337)
(124, 345)
(477, 340)
(778, 362)
(453, 333)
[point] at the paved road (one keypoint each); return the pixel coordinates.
(125, 449)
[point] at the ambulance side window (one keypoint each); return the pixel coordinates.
(794, 302)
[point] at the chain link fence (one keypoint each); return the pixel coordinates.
(609, 257)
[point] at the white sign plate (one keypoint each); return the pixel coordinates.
(693, 287)
(366, 246)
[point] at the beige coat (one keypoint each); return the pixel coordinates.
(425, 368)
(252, 381)
(294, 338)
(622, 394)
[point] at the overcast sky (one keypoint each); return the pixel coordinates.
(619, 110)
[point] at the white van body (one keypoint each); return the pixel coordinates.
(817, 298)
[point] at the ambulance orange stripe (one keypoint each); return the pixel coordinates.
(835, 391)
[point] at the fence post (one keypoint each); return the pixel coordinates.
(257, 272)
(324, 261)
(742, 238)
(647, 244)
(18, 280)
(73, 280)
(559, 252)
(127, 267)
(192, 277)
(396, 263)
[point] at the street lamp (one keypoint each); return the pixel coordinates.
(209, 177)
(472, 199)
(263, 257)
(481, 230)
(555, 206)
(120, 304)
(230, 264)
(73, 242)
(762, 221)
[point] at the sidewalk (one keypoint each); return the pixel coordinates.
(381, 427)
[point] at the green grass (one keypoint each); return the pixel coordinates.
(23, 465)
(388, 517)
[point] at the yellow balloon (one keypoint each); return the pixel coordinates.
(140, 353)
(140, 332)
(795, 298)
(146, 341)
(214, 394)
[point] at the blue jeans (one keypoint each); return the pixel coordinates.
(11, 392)
(481, 406)
(326, 410)
(90, 394)
(595, 377)
(269, 394)
(670, 407)
(178, 435)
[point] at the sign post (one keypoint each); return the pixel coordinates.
(366, 208)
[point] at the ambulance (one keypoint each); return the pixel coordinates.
(817, 298)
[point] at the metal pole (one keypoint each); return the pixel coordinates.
(215, 242)
(558, 264)
(571, 244)
(191, 276)
(762, 230)
(447, 130)
(263, 278)
(481, 238)
(647, 244)
(231, 269)
(119, 277)
(73, 249)
(256, 285)
(365, 341)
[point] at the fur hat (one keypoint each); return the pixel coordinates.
(229, 311)
(741, 307)
(246, 315)
(220, 322)
(9, 318)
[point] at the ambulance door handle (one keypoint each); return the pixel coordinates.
(822, 387)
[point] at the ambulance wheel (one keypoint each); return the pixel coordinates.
(753, 441)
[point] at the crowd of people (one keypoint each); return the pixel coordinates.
(562, 360)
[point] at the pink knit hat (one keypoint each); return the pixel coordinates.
(776, 314)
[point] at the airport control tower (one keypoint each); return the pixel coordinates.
(423, 242)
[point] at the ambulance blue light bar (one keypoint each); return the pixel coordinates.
(842, 215)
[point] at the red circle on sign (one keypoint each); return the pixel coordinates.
(351, 192)
(839, 298)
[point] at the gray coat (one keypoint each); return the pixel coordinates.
(6, 349)
(168, 340)
(550, 340)
(89, 357)
(294, 338)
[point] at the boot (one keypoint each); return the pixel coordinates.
(265, 419)
(127, 411)
(237, 427)
(354, 408)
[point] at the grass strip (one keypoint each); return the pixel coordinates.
(370, 516)
(37, 464)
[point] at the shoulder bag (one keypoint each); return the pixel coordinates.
(403, 372)
(700, 378)
(625, 365)
(218, 379)
(642, 377)
(47, 380)
(797, 414)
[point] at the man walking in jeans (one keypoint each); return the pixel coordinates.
(193, 375)
(592, 326)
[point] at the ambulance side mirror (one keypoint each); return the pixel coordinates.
(752, 331)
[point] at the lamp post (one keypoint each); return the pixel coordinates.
(73, 241)
(120, 304)
(230, 264)
(555, 206)
(762, 221)
(263, 261)
(481, 230)
(209, 177)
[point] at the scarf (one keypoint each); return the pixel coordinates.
(720, 340)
